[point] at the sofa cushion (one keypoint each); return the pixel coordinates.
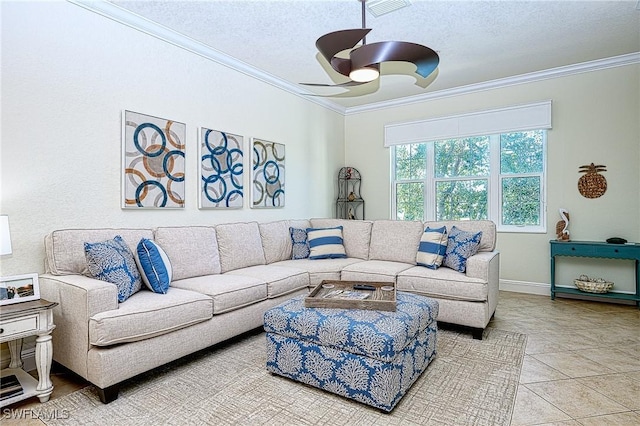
(279, 279)
(432, 247)
(276, 242)
(325, 243)
(300, 243)
(355, 233)
(395, 240)
(147, 314)
(374, 270)
(65, 248)
(228, 292)
(461, 246)
(442, 283)
(154, 266)
(193, 250)
(319, 270)
(488, 228)
(276, 238)
(113, 262)
(240, 245)
(300, 223)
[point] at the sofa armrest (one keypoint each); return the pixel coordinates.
(79, 298)
(486, 265)
(478, 265)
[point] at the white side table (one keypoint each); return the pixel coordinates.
(22, 320)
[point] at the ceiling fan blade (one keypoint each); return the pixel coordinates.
(350, 83)
(333, 43)
(349, 92)
(425, 59)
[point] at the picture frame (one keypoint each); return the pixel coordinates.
(268, 174)
(153, 162)
(221, 170)
(19, 288)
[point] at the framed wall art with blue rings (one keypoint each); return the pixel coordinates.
(268, 172)
(153, 162)
(221, 170)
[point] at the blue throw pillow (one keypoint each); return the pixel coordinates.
(326, 243)
(433, 246)
(113, 262)
(461, 246)
(300, 243)
(154, 265)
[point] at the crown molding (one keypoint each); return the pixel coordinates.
(600, 64)
(137, 22)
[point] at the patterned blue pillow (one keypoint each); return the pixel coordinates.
(461, 246)
(300, 243)
(154, 266)
(433, 246)
(113, 262)
(326, 243)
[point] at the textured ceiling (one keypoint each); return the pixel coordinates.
(478, 41)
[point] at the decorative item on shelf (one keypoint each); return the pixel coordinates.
(562, 227)
(592, 184)
(349, 204)
(592, 285)
(616, 240)
(19, 288)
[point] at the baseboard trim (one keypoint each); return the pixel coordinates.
(541, 289)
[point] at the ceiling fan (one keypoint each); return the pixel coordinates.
(363, 64)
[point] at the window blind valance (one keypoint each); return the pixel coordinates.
(503, 120)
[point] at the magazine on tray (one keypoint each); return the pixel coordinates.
(346, 294)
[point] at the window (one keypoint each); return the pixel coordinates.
(498, 177)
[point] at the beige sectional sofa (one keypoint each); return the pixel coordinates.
(226, 276)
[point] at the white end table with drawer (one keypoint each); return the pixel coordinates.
(22, 320)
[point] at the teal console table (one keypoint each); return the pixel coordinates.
(597, 250)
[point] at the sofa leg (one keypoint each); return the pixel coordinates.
(108, 394)
(477, 333)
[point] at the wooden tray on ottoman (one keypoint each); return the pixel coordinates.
(343, 295)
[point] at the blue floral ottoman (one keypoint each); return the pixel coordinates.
(370, 356)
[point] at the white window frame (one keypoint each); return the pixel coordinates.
(510, 119)
(494, 189)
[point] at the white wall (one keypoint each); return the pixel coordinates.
(67, 74)
(596, 118)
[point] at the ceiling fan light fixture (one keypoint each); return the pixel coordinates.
(363, 64)
(364, 74)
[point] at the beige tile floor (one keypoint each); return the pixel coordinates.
(581, 367)
(582, 361)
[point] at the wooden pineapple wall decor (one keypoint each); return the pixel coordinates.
(592, 184)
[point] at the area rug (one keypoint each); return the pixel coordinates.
(471, 382)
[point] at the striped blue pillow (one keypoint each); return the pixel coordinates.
(433, 246)
(326, 243)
